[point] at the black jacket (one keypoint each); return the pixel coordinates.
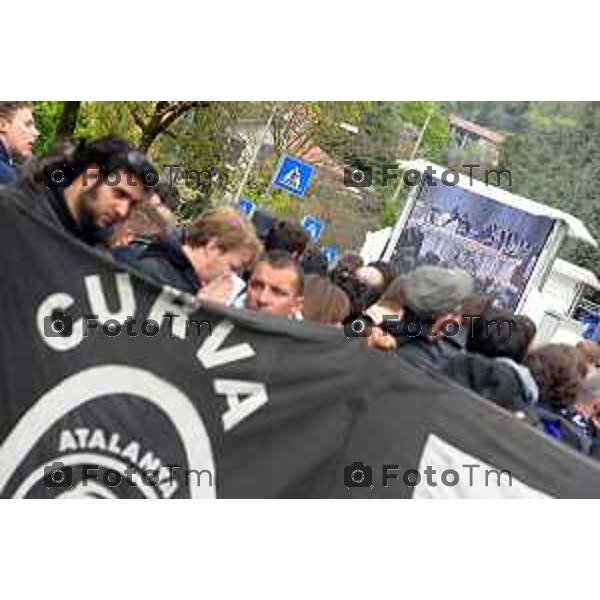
(489, 378)
(421, 352)
(165, 262)
(8, 171)
(49, 204)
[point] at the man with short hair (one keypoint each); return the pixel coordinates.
(17, 136)
(433, 297)
(84, 188)
(276, 286)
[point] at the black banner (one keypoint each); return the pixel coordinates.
(111, 387)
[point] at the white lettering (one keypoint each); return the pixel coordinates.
(97, 440)
(256, 396)
(113, 444)
(97, 382)
(172, 302)
(149, 462)
(132, 452)
(97, 298)
(67, 441)
(50, 329)
(82, 436)
(211, 355)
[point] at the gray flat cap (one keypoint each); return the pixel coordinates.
(432, 291)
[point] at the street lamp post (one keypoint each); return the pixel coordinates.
(252, 162)
(413, 154)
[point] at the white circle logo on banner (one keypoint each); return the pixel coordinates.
(86, 386)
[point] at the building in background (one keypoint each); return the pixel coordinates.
(466, 135)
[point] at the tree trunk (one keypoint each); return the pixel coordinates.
(68, 120)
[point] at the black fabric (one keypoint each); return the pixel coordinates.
(165, 262)
(274, 408)
(397, 426)
(421, 352)
(49, 203)
(488, 378)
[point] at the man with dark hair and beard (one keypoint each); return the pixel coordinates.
(85, 188)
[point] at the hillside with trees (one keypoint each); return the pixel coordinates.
(551, 148)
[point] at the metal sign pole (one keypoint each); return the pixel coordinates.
(255, 155)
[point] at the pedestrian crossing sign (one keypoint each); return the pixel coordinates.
(292, 175)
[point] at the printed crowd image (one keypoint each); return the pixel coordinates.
(497, 244)
(199, 304)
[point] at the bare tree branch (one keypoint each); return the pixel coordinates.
(164, 115)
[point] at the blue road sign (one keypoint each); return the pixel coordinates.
(331, 253)
(246, 206)
(312, 226)
(292, 175)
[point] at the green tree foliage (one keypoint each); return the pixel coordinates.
(99, 119)
(389, 132)
(557, 161)
(47, 116)
(197, 136)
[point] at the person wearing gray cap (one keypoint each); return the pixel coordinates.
(429, 332)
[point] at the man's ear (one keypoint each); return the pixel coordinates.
(4, 123)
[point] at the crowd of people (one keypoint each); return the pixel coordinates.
(431, 317)
(505, 240)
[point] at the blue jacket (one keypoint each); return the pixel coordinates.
(8, 171)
